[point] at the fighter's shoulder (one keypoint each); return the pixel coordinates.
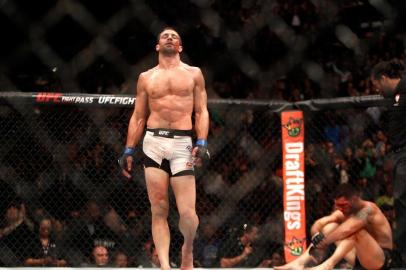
(147, 73)
(371, 205)
(369, 209)
(374, 209)
(191, 69)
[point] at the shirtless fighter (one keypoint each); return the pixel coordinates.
(167, 96)
(359, 229)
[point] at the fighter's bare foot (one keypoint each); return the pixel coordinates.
(323, 266)
(290, 266)
(187, 258)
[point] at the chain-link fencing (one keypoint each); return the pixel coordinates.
(59, 162)
(245, 47)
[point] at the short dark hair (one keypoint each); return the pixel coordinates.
(168, 28)
(393, 69)
(346, 190)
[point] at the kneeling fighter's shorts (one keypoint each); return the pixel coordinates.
(386, 265)
(169, 150)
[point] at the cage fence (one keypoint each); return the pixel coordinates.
(245, 48)
(59, 162)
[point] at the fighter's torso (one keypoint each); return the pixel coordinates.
(170, 97)
(378, 226)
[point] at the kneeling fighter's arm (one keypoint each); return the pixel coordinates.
(350, 226)
(334, 217)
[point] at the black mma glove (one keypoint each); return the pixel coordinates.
(123, 162)
(317, 238)
(202, 151)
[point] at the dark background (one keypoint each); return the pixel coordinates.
(293, 50)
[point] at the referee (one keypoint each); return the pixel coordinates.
(389, 78)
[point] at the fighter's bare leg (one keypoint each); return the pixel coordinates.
(369, 253)
(299, 263)
(184, 188)
(157, 185)
(343, 249)
(304, 259)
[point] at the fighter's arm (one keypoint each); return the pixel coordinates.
(135, 127)
(139, 116)
(350, 226)
(334, 217)
(200, 106)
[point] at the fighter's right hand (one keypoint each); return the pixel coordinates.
(317, 238)
(126, 161)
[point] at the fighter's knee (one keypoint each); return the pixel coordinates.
(159, 208)
(188, 214)
(329, 228)
(360, 234)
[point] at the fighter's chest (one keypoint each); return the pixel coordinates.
(170, 83)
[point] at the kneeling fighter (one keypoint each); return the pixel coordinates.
(358, 228)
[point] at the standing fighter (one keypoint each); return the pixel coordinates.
(389, 78)
(167, 95)
(359, 229)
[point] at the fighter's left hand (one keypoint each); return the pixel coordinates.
(201, 152)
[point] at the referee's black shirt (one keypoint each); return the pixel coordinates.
(397, 117)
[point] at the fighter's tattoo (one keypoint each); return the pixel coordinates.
(364, 213)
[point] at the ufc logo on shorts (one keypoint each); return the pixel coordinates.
(163, 133)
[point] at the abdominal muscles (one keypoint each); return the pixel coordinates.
(171, 112)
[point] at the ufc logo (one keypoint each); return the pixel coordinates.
(163, 133)
(49, 97)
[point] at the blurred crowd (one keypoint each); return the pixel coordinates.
(70, 189)
(90, 240)
(256, 49)
(71, 204)
(65, 204)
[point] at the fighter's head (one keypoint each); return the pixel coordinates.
(385, 76)
(169, 42)
(346, 198)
